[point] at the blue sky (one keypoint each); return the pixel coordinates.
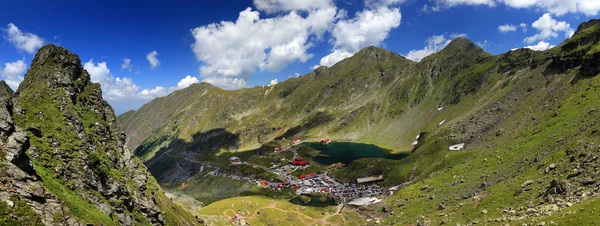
(249, 43)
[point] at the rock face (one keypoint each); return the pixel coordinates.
(58, 118)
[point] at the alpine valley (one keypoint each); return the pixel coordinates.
(461, 137)
(506, 139)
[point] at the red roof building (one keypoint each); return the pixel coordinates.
(278, 148)
(299, 162)
(325, 141)
(296, 140)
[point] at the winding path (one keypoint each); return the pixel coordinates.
(303, 218)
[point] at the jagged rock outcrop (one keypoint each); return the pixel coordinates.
(80, 169)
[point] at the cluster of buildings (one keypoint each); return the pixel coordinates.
(316, 183)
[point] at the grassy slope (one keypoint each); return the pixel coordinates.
(267, 211)
(518, 113)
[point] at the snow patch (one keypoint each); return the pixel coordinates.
(457, 147)
(364, 201)
(442, 122)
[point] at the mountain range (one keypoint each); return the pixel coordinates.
(523, 116)
(528, 121)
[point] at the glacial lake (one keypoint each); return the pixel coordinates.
(314, 201)
(346, 152)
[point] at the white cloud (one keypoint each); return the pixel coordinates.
(507, 28)
(334, 57)
(457, 35)
(369, 27)
(556, 7)
(12, 73)
(231, 52)
(523, 27)
(379, 3)
(541, 46)
(483, 44)
(187, 81)
(226, 82)
(126, 64)
(444, 4)
(23, 40)
(112, 88)
(434, 44)
(271, 6)
(154, 62)
(296, 75)
(273, 82)
(548, 27)
(117, 89)
(148, 94)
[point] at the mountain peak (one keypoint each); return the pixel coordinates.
(57, 67)
(461, 44)
(459, 48)
(56, 54)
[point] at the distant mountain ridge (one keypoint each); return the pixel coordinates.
(528, 120)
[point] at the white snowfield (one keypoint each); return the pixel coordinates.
(457, 147)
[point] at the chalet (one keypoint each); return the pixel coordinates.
(325, 141)
(235, 160)
(278, 149)
(367, 180)
(296, 140)
(299, 162)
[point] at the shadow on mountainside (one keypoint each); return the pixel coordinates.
(309, 123)
(175, 161)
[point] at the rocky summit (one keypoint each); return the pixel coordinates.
(63, 155)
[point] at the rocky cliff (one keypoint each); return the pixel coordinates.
(64, 154)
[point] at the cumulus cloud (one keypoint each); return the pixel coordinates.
(483, 44)
(126, 64)
(154, 62)
(556, 7)
(117, 89)
(368, 27)
(457, 35)
(434, 44)
(231, 52)
(226, 82)
(147, 94)
(12, 73)
(271, 6)
(112, 88)
(507, 28)
(23, 40)
(540, 46)
(273, 82)
(296, 75)
(523, 27)
(336, 56)
(587, 7)
(548, 27)
(187, 81)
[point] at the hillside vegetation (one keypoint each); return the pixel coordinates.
(63, 159)
(529, 121)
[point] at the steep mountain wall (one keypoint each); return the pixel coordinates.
(65, 154)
